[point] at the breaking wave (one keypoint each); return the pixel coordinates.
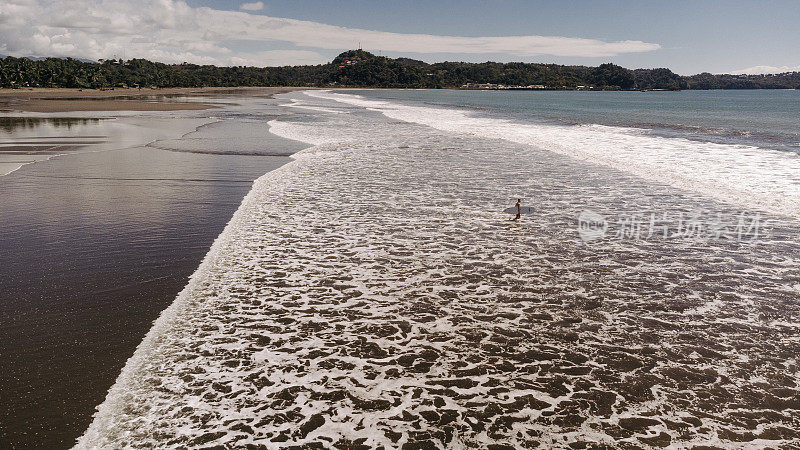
(742, 175)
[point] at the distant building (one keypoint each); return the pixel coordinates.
(351, 61)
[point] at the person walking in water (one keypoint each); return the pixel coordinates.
(519, 208)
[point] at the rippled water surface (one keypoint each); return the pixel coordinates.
(372, 293)
(764, 118)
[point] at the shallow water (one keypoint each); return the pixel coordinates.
(373, 293)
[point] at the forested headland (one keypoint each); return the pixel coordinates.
(358, 68)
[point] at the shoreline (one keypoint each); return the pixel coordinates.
(56, 100)
(60, 100)
(146, 209)
(46, 101)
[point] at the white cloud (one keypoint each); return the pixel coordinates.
(276, 58)
(257, 6)
(172, 31)
(758, 70)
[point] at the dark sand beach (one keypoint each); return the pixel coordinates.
(94, 245)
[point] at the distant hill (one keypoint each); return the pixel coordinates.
(359, 68)
(411, 62)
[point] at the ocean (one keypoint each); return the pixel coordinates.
(374, 293)
(765, 119)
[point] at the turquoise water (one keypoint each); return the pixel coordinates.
(761, 118)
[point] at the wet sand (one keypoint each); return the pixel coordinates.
(48, 105)
(95, 243)
(118, 99)
(94, 246)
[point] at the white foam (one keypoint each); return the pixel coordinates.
(11, 163)
(386, 242)
(297, 103)
(753, 177)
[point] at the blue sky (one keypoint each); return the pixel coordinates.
(688, 37)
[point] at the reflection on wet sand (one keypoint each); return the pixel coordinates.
(11, 124)
(93, 245)
(24, 140)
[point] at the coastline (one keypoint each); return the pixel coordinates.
(56, 100)
(65, 100)
(32, 105)
(110, 241)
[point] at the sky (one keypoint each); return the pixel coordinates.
(686, 36)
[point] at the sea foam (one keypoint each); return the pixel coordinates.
(372, 293)
(742, 175)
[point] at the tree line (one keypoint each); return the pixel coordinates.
(358, 68)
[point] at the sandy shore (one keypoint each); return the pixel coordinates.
(133, 221)
(118, 99)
